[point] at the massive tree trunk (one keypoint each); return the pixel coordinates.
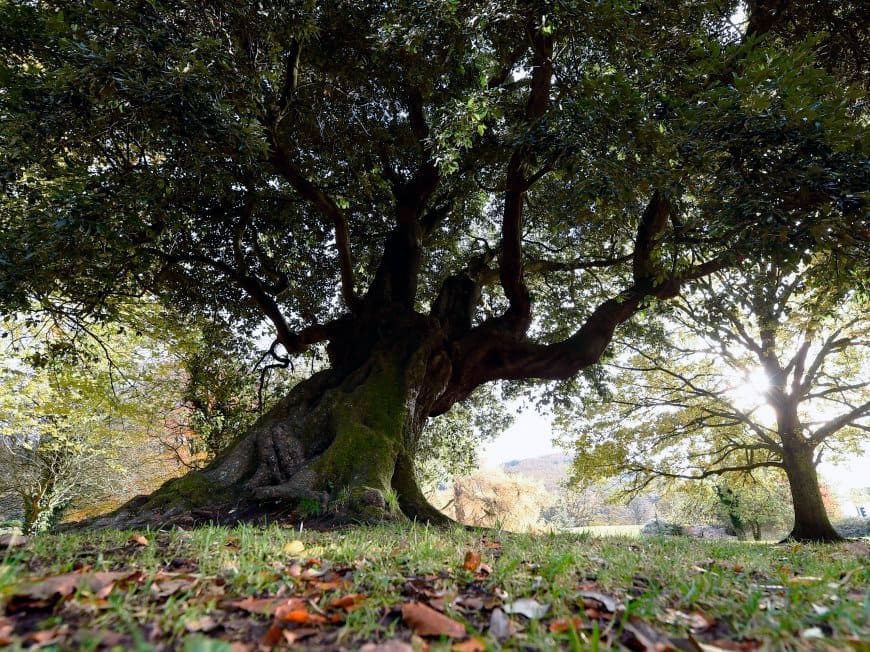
(811, 521)
(342, 441)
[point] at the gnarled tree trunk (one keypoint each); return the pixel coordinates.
(343, 439)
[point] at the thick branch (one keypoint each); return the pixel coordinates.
(516, 185)
(329, 209)
(835, 425)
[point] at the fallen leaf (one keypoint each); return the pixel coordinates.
(263, 606)
(470, 602)
(528, 607)
(6, 630)
(293, 636)
(293, 547)
(594, 598)
(347, 602)
(273, 635)
(138, 539)
(746, 645)
(428, 622)
(165, 588)
(387, 646)
(500, 626)
(204, 624)
(12, 540)
(565, 624)
(44, 592)
(803, 580)
(332, 585)
(472, 561)
(299, 617)
(232, 544)
(648, 637)
(695, 621)
(44, 637)
(471, 645)
(812, 632)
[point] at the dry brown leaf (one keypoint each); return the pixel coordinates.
(592, 599)
(331, 585)
(500, 626)
(695, 621)
(347, 602)
(44, 637)
(472, 561)
(746, 645)
(428, 622)
(562, 625)
(6, 629)
(138, 539)
(470, 602)
(42, 593)
(387, 646)
(204, 624)
(293, 636)
(471, 645)
(273, 635)
(262, 606)
(647, 636)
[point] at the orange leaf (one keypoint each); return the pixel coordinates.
(472, 561)
(348, 602)
(274, 635)
(471, 645)
(331, 585)
(138, 539)
(428, 622)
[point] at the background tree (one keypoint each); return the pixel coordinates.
(745, 505)
(441, 195)
(686, 410)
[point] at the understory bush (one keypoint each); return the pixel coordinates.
(662, 528)
(853, 527)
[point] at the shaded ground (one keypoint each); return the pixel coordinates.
(401, 588)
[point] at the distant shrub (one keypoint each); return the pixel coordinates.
(853, 527)
(662, 528)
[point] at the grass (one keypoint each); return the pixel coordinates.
(788, 597)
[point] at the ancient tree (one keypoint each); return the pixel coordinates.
(437, 195)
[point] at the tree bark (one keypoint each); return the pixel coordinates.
(343, 442)
(811, 523)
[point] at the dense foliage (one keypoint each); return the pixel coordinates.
(436, 195)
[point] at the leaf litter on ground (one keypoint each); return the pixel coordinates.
(250, 588)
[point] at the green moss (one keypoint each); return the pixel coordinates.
(368, 427)
(191, 490)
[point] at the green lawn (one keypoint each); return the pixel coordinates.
(182, 590)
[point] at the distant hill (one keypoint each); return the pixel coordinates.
(550, 470)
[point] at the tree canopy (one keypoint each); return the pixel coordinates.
(504, 183)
